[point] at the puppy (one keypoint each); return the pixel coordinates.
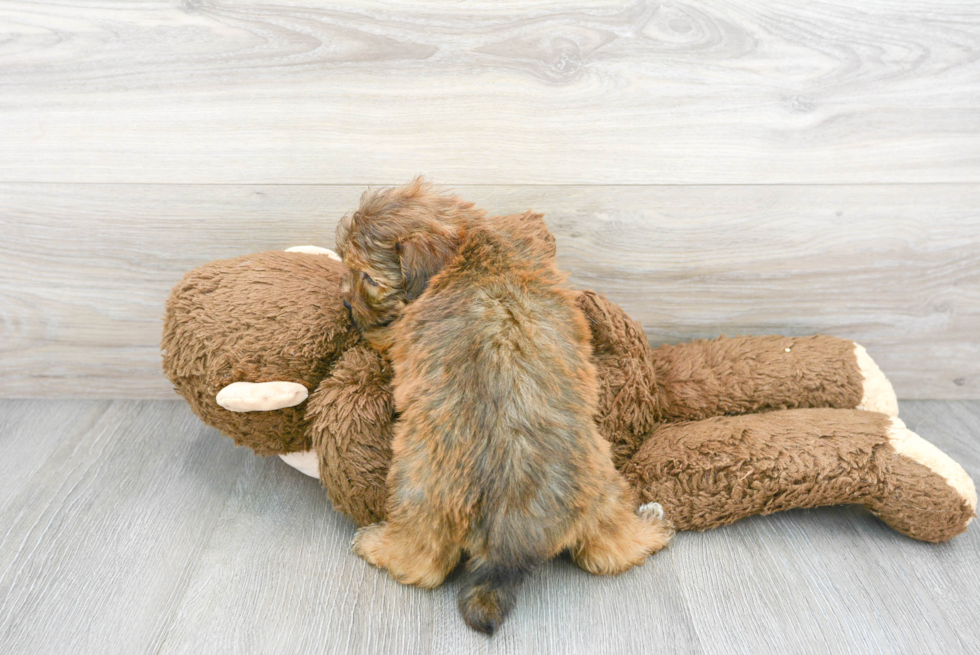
(495, 453)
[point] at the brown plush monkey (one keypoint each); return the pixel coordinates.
(263, 349)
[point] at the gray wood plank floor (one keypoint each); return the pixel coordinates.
(129, 527)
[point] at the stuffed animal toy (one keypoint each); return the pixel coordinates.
(263, 349)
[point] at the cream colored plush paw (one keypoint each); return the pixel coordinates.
(306, 462)
(908, 443)
(261, 396)
(315, 250)
(878, 396)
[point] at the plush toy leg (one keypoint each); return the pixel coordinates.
(713, 472)
(744, 375)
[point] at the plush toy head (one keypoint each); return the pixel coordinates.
(269, 317)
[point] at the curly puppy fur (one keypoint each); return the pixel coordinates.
(496, 453)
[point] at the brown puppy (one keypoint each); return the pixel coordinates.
(495, 452)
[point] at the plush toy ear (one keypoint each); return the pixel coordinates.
(423, 255)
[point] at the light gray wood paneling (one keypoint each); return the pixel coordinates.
(141, 531)
(584, 92)
(85, 269)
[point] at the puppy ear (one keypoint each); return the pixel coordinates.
(422, 256)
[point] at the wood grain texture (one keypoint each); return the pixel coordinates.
(85, 269)
(858, 586)
(944, 574)
(583, 92)
(277, 576)
(32, 433)
(141, 531)
(97, 544)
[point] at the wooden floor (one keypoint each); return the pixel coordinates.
(129, 527)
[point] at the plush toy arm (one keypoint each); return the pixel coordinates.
(713, 472)
(351, 414)
(744, 375)
(315, 250)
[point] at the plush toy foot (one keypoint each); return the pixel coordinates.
(713, 472)
(878, 396)
(315, 250)
(306, 462)
(923, 492)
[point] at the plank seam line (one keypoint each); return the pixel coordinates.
(443, 183)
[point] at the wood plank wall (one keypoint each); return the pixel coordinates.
(715, 167)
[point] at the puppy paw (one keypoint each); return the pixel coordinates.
(615, 551)
(650, 512)
(368, 544)
(657, 531)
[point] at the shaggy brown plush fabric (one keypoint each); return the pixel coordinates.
(258, 318)
(713, 472)
(352, 416)
(279, 316)
(642, 387)
(744, 375)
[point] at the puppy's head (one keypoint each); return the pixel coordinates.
(395, 242)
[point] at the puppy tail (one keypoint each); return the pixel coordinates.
(490, 590)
